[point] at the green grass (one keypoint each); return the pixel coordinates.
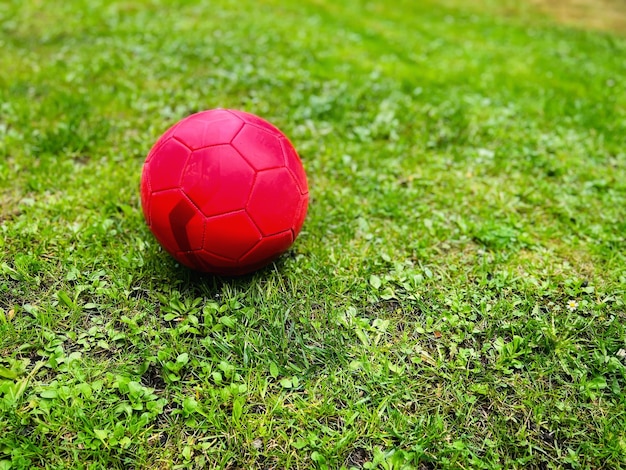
(455, 300)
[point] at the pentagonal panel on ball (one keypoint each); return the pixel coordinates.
(230, 235)
(261, 148)
(218, 180)
(175, 221)
(214, 127)
(274, 201)
(166, 165)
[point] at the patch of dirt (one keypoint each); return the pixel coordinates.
(153, 378)
(605, 15)
(357, 457)
(8, 207)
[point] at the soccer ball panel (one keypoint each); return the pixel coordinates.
(161, 141)
(217, 114)
(218, 180)
(256, 121)
(274, 201)
(230, 235)
(175, 221)
(209, 129)
(300, 215)
(146, 192)
(190, 259)
(268, 249)
(259, 147)
(213, 262)
(292, 161)
(166, 167)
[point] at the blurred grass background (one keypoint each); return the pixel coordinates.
(456, 299)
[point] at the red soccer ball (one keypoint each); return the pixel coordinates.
(224, 192)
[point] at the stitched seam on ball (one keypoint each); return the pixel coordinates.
(243, 124)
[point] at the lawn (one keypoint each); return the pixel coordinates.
(456, 299)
